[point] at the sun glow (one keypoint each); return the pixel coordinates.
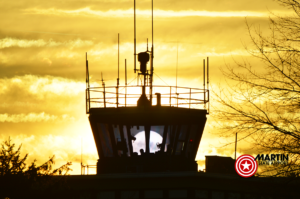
(139, 143)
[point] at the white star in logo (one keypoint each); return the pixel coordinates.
(246, 165)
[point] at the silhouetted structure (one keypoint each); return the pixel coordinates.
(119, 114)
(219, 164)
(116, 122)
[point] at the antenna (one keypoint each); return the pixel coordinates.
(235, 146)
(125, 82)
(81, 156)
(177, 66)
(103, 85)
(118, 59)
(134, 39)
(152, 29)
(117, 88)
(125, 73)
(208, 83)
(87, 71)
(152, 56)
(177, 74)
(204, 81)
(207, 73)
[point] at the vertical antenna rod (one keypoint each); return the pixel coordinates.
(207, 73)
(203, 73)
(117, 88)
(235, 146)
(204, 82)
(177, 66)
(208, 83)
(125, 73)
(177, 74)
(81, 156)
(103, 85)
(118, 59)
(152, 56)
(125, 83)
(152, 26)
(134, 39)
(87, 93)
(87, 71)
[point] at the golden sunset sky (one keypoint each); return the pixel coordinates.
(42, 62)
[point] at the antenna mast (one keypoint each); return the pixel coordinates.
(235, 146)
(87, 76)
(103, 85)
(204, 82)
(81, 156)
(208, 83)
(87, 71)
(134, 39)
(177, 66)
(152, 56)
(177, 74)
(207, 73)
(117, 88)
(125, 83)
(118, 59)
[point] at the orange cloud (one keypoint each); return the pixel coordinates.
(88, 12)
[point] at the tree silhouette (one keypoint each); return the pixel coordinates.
(19, 181)
(264, 104)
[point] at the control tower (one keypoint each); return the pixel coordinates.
(147, 127)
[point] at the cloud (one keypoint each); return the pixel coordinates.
(223, 54)
(45, 85)
(25, 43)
(88, 12)
(33, 98)
(33, 117)
(175, 5)
(42, 85)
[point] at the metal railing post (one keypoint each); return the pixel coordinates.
(86, 101)
(208, 100)
(89, 99)
(117, 93)
(125, 96)
(170, 96)
(104, 96)
(190, 97)
(204, 92)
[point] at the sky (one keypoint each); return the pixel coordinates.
(42, 63)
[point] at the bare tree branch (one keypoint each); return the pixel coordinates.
(264, 104)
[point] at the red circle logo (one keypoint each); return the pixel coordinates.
(246, 166)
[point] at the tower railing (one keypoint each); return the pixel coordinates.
(127, 96)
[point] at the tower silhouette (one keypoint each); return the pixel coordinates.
(136, 131)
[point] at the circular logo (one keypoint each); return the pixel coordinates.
(246, 166)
